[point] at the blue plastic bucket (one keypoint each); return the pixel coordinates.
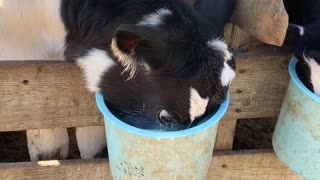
(146, 154)
(296, 139)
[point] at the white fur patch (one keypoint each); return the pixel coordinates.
(227, 75)
(47, 143)
(94, 64)
(198, 105)
(155, 19)
(91, 141)
(222, 47)
(315, 74)
(31, 30)
(301, 29)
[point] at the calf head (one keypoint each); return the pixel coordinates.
(162, 66)
(304, 41)
(303, 37)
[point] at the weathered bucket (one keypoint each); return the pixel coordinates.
(145, 154)
(296, 139)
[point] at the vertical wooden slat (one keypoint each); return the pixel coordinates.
(226, 131)
(227, 35)
(237, 40)
(240, 40)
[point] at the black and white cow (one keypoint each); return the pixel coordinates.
(159, 64)
(161, 61)
(303, 36)
(33, 30)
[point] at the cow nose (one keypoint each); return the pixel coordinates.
(172, 120)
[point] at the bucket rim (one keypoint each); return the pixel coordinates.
(213, 120)
(296, 80)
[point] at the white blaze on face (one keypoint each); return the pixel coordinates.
(155, 19)
(198, 105)
(94, 65)
(314, 73)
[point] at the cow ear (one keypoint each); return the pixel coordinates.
(127, 41)
(137, 44)
(128, 38)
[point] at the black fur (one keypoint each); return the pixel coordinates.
(307, 15)
(176, 51)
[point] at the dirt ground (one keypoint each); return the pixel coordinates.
(250, 134)
(13, 147)
(254, 134)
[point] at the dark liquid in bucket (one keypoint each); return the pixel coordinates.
(143, 119)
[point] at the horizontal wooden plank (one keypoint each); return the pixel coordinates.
(230, 165)
(69, 169)
(44, 95)
(249, 165)
(47, 95)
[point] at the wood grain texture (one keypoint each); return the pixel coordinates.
(235, 165)
(249, 165)
(226, 131)
(257, 91)
(267, 20)
(53, 170)
(227, 33)
(240, 40)
(44, 95)
(260, 85)
(48, 95)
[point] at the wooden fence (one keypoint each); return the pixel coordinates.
(52, 94)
